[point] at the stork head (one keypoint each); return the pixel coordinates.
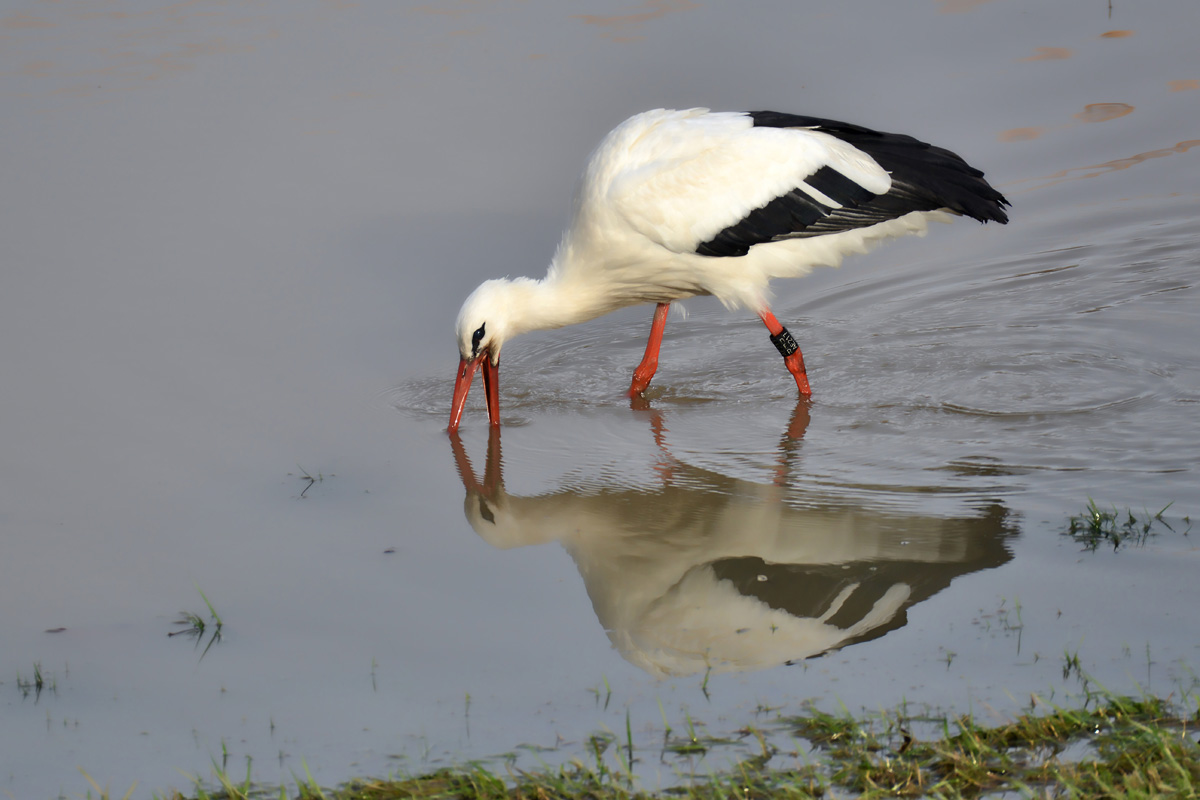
(483, 325)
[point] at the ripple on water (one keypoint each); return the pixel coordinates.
(1066, 361)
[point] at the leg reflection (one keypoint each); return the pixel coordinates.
(789, 443)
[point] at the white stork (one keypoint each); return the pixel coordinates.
(675, 204)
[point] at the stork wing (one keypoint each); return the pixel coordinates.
(717, 184)
(687, 180)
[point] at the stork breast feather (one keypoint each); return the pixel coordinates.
(686, 198)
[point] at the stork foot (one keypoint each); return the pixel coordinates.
(641, 382)
(795, 365)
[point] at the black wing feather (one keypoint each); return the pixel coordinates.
(924, 178)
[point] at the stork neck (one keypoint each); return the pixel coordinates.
(536, 305)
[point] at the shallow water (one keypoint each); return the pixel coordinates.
(237, 235)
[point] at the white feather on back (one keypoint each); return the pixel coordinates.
(680, 177)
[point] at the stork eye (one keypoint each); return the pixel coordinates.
(476, 338)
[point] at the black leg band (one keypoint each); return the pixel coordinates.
(784, 343)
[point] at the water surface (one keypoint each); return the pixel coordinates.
(237, 235)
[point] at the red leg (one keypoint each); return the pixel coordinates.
(645, 370)
(794, 360)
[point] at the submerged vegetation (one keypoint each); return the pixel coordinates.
(38, 682)
(1095, 526)
(1111, 747)
(197, 626)
(309, 479)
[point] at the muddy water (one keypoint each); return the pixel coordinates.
(236, 237)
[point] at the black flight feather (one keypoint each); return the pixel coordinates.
(924, 178)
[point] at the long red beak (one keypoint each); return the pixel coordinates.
(462, 385)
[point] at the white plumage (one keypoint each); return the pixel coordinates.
(675, 204)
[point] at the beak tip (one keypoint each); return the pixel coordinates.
(462, 385)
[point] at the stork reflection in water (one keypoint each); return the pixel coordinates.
(701, 570)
